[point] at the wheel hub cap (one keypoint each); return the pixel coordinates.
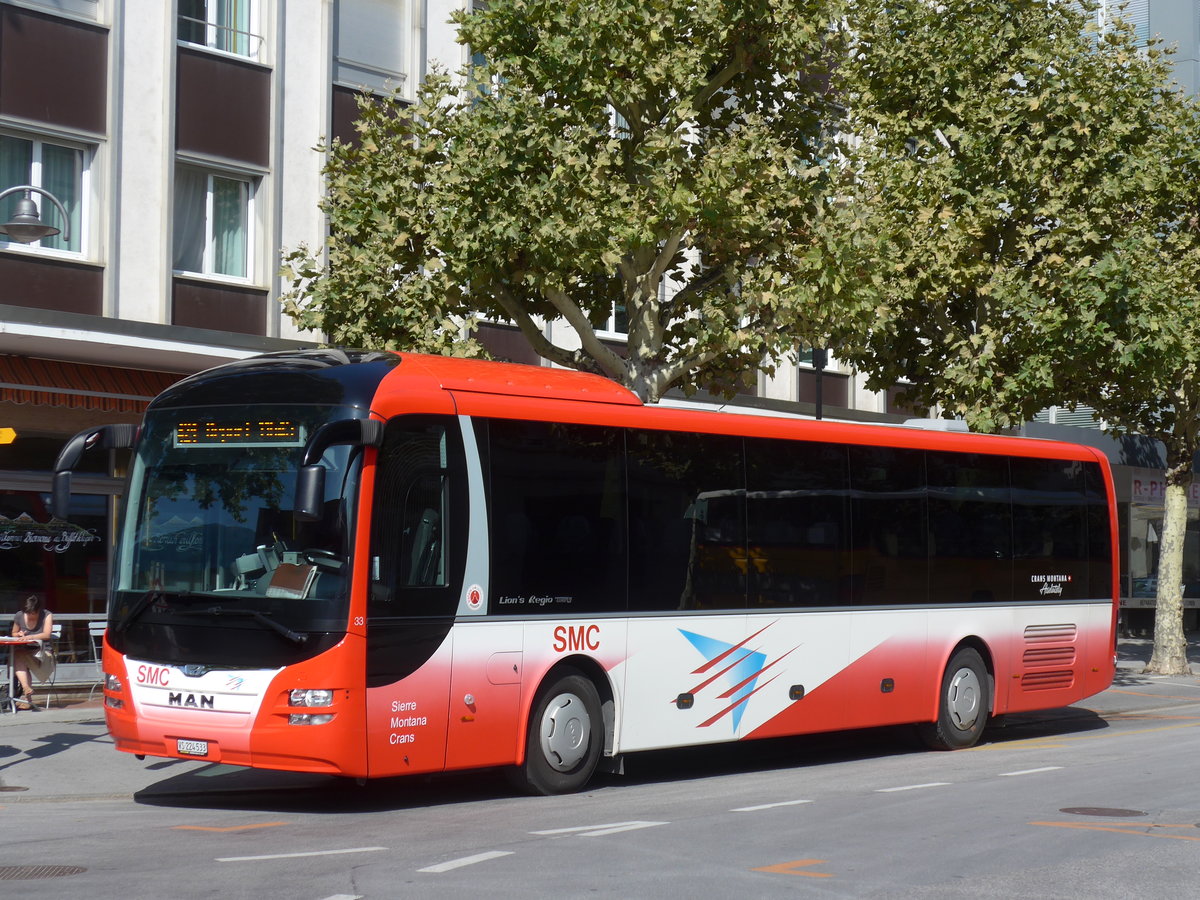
(964, 699)
(565, 732)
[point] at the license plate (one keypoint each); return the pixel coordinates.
(192, 748)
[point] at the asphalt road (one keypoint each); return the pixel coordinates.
(1096, 800)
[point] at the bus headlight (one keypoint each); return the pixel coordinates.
(311, 697)
(310, 718)
(113, 683)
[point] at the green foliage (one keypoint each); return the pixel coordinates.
(1146, 374)
(1149, 383)
(607, 151)
(1003, 152)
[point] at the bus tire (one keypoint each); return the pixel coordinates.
(963, 704)
(566, 734)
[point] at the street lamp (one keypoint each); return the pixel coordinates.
(26, 225)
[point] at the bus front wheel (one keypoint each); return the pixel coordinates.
(963, 704)
(565, 735)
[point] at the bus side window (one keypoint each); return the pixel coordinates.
(1050, 530)
(557, 507)
(970, 528)
(798, 517)
(687, 514)
(412, 517)
(888, 530)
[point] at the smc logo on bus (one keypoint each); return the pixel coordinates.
(158, 675)
(576, 637)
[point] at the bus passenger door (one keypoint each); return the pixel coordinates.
(485, 695)
(407, 670)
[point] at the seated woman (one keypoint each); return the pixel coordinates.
(37, 624)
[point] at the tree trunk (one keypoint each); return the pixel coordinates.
(1170, 646)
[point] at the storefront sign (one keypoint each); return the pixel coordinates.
(54, 537)
(1153, 492)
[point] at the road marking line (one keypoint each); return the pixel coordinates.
(345, 897)
(229, 828)
(769, 805)
(298, 855)
(791, 868)
(1136, 831)
(599, 830)
(466, 861)
(1030, 771)
(912, 787)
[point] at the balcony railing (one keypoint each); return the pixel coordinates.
(225, 38)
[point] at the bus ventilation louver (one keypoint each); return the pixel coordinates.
(1045, 634)
(1041, 656)
(1047, 681)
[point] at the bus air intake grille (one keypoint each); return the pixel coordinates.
(1039, 657)
(1045, 634)
(1047, 681)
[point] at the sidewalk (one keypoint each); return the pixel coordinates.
(1133, 654)
(67, 706)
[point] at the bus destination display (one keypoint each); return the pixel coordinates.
(256, 433)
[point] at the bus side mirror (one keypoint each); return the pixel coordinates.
(106, 437)
(310, 493)
(310, 479)
(60, 494)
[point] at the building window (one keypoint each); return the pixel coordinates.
(57, 168)
(84, 9)
(617, 322)
(220, 25)
(1079, 416)
(212, 223)
(371, 45)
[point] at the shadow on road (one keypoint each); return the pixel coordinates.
(49, 745)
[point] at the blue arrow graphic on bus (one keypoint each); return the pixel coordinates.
(738, 667)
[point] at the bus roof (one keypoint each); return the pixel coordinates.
(516, 379)
(514, 390)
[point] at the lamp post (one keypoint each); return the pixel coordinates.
(26, 225)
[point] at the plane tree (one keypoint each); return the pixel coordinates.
(1146, 376)
(1030, 186)
(996, 157)
(664, 158)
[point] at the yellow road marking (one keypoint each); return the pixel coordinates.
(229, 828)
(1191, 699)
(1041, 743)
(790, 868)
(1136, 830)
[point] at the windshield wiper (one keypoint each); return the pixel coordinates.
(139, 607)
(294, 636)
(142, 603)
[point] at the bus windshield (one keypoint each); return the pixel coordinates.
(209, 539)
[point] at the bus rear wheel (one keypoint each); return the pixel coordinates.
(565, 736)
(963, 704)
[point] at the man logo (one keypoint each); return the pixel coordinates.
(191, 701)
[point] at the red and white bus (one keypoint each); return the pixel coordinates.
(376, 564)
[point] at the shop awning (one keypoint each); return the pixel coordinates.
(48, 382)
